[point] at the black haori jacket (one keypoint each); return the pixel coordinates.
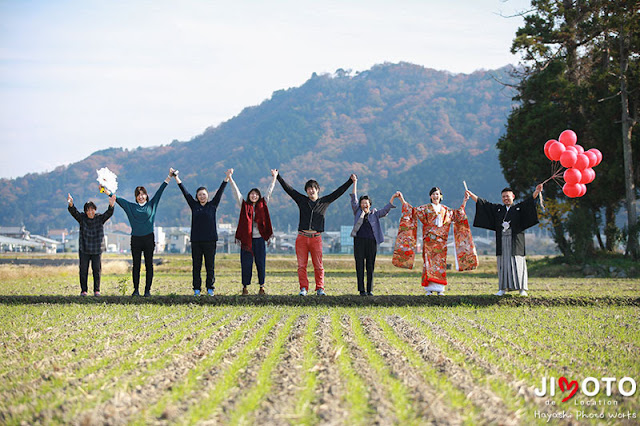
(521, 217)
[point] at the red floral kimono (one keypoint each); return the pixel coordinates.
(434, 237)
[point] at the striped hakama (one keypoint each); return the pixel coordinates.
(512, 270)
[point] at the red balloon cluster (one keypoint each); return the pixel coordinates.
(579, 163)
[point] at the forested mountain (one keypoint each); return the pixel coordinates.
(397, 126)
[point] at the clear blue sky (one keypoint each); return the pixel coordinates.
(79, 76)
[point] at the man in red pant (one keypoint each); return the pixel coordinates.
(312, 211)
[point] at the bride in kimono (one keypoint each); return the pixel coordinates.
(436, 220)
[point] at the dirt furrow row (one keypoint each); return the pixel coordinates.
(493, 409)
(379, 398)
(202, 391)
(330, 407)
(127, 404)
(286, 380)
(246, 377)
(429, 404)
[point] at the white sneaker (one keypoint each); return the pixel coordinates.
(428, 293)
(441, 293)
(523, 293)
(303, 292)
(500, 293)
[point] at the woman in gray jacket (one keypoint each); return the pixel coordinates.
(367, 235)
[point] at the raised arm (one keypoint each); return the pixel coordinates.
(109, 212)
(354, 196)
(468, 194)
(218, 196)
(236, 191)
(386, 209)
(538, 190)
(72, 209)
(274, 174)
(289, 190)
(187, 196)
(340, 190)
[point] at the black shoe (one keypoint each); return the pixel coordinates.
(363, 293)
(135, 293)
(369, 293)
(147, 293)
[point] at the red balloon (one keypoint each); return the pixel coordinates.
(583, 189)
(572, 176)
(593, 158)
(568, 137)
(568, 158)
(579, 148)
(582, 162)
(555, 150)
(588, 175)
(598, 154)
(546, 148)
(572, 148)
(571, 190)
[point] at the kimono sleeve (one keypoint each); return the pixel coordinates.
(528, 213)
(485, 215)
(404, 250)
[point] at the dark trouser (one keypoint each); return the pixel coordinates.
(246, 261)
(364, 250)
(144, 244)
(206, 249)
(96, 267)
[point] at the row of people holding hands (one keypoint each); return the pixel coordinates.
(254, 231)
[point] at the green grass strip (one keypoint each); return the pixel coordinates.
(403, 406)
(228, 380)
(180, 390)
(356, 389)
(439, 382)
(255, 396)
(304, 415)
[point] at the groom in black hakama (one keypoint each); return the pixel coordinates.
(509, 221)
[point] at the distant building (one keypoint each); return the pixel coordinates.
(177, 240)
(19, 232)
(8, 244)
(48, 245)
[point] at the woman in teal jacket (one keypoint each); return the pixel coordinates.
(141, 215)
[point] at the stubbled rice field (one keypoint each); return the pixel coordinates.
(397, 358)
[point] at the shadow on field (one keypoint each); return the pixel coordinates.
(329, 301)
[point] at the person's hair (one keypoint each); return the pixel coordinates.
(311, 184)
(257, 191)
(202, 188)
(434, 189)
(89, 205)
(141, 189)
(364, 197)
(507, 189)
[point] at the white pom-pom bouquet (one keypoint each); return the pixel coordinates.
(107, 180)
